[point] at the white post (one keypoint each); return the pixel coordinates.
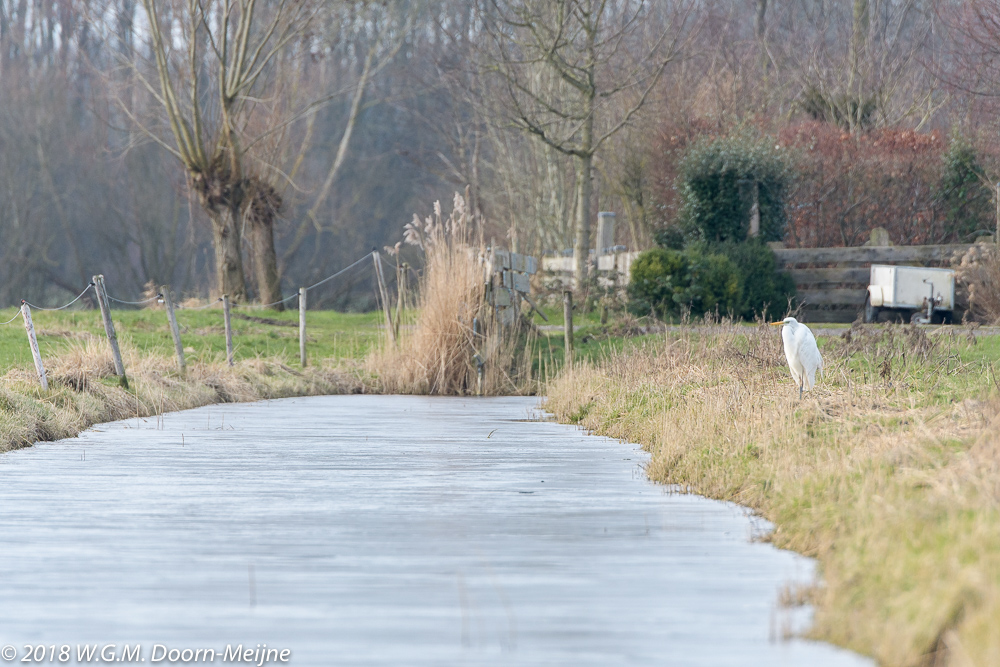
(109, 328)
(385, 296)
(175, 330)
(229, 329)
(605, 231)
(302, 326)
(33, 342)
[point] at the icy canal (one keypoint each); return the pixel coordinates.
(381, 530)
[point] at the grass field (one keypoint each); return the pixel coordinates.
(592, 341)
(888, 472)
(331, 335)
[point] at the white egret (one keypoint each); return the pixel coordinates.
(801, 351)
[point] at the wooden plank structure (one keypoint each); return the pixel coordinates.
(613, 267)
(508, 281)
(837, 293)
(900, 254)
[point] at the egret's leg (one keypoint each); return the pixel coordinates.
(801, 382)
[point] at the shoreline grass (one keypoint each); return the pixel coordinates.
(84, 390)
(887, 473)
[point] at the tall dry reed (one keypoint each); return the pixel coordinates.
(456, 332)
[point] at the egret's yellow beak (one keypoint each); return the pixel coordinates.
(776, 324)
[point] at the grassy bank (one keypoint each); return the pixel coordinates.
(888, 472)
(83, 389)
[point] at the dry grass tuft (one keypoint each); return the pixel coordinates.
(441, 354)
(886, 472)
(82, 362)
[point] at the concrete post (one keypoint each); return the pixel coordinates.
(605, 231)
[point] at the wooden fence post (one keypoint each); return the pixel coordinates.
(302, 326)
(477, 336)
(229, 329)
(568, 316)
(175, 331)
(385, 296)
(33, 343)
(400, 294)
(109, 328)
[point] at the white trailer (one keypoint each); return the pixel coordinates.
(924, 294)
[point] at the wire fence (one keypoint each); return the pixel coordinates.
(137, 303)
(104, 299)
(63, 307)
(159, 296)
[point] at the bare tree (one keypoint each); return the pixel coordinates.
(863, 67)
(212, 61)
(372, 35)
(575, 72)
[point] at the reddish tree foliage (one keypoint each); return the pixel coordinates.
(671, 143)
(848, 184)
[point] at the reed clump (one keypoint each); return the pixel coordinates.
(886, 472)
(456, 336)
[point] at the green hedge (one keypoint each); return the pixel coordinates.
(666, 282)
(716, 182)
(764, 287)
(737, 279)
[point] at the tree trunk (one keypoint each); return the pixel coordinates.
(265, 263)
(264, 204)
(760, 28)
(228, 260)
(859, 39)
(581, 245)
(760, 25)
(585, 185)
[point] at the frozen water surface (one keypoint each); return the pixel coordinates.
(384, 530)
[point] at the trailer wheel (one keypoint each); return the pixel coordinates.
(871, 312)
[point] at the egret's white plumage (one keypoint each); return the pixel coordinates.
(803, 355)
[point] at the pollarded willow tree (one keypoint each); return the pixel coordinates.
(213, 63)
(573, 73)
(227, 83)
